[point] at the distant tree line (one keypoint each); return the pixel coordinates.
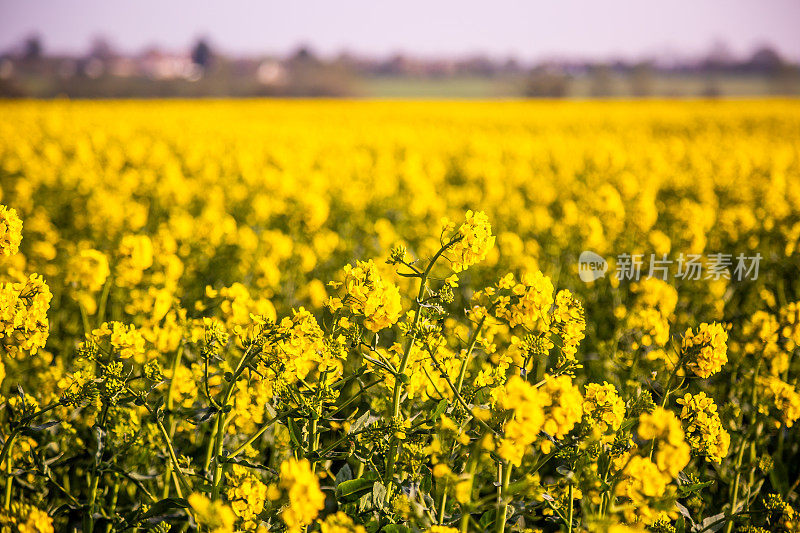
(29, 70)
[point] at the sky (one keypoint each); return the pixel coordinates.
(528, 30)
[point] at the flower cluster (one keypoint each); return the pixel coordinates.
(24, 326)
(216, 517)
(122, 340)
(135, 256)
(474, 239)
(247, 495)
(642, 481)
(302, 488)
(707, 350)
(663, 428)
(525, 303)
(522, 430)
(603, 406)
(10, 231)
(88, 270)
(703, 426)
(340, 523)
(300, 349)
(25, 519)
(784, 397)
(651, 311)
(563, 408)
(569, 323)
(367, 293)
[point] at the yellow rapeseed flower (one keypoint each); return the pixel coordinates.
(10, 231)
(368, 293)
(603, 406)
(706, 351)
(216, 517)
(703, 426)
(476, 241)
(306, 500)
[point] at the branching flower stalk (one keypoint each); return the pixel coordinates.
(470, 346)
(220, 421)
(170, 403)
(734, 498)
(398, 385)
(5, 453)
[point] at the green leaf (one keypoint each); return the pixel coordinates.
(100, 439)
(778, 475)
(712, 523)
(565, 471)
(33, 430)
(360, 423)
(440, 409)
(684, 512)
(161, 507)
(680, 525)
(487, 520)
(344, 474)
(395, 528)
(378, 495)
(353, 489)
(627, 424)
(684, 490)
(294, 432)
(365, 503)
(427, 481)
(372, 526)
(248, 464)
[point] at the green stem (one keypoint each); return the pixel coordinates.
(180, 479)
(171, 450)
(312, 439)
(556, 510)
(740, 454)
(398, 383)
(220, 437)
(9, 467)
(220, 423)
(6, 451)
(463, 370)
(176, 361)
(442, 502)
(92, 500)
(735, 491)
(356, 396)
(101, 310)
(500, 523)
(472, 465)
(458, 396)
(174, 459)
(667, 389)
(87, 329)
(259, 432)
(570, 510)
(347, 437)
(113, 505)
(212, 436)
(95, 479)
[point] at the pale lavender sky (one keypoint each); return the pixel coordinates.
(531, 29)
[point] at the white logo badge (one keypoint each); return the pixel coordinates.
(591, 266)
